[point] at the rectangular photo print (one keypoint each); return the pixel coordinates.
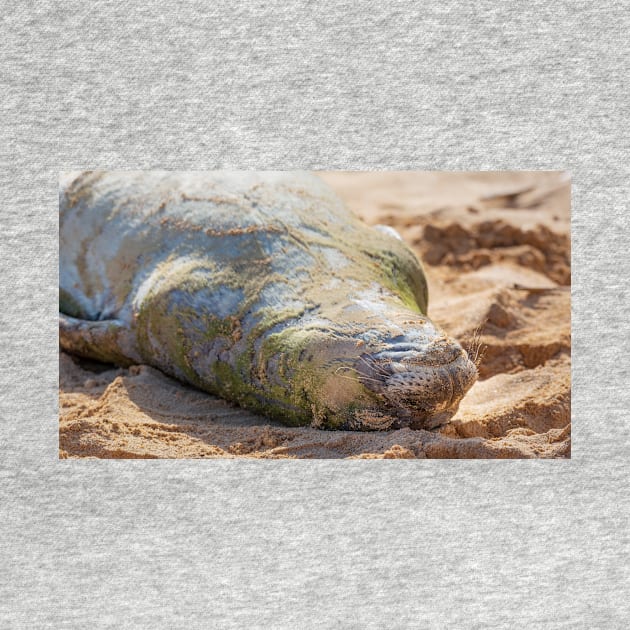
(294, 315)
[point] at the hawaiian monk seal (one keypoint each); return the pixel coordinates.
(261, 288)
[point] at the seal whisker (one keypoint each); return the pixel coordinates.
(374, 365)
(475, 348)
(360, 376)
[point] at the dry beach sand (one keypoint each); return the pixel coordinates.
(496, 250)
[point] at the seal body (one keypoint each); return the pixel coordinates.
(261, 288)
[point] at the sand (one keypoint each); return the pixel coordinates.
(496, 250)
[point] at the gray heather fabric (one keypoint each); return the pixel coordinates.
(391, 85)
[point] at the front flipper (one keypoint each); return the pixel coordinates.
(108, 340)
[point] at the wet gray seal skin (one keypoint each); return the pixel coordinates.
(261, 288)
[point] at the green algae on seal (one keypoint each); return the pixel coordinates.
(261, 288)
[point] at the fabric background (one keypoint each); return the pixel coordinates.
(389, 544)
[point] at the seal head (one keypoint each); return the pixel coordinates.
(382, 370)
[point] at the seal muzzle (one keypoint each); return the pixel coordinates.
(424, 383)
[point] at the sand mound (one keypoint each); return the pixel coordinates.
(497, 241)
(496, 248)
